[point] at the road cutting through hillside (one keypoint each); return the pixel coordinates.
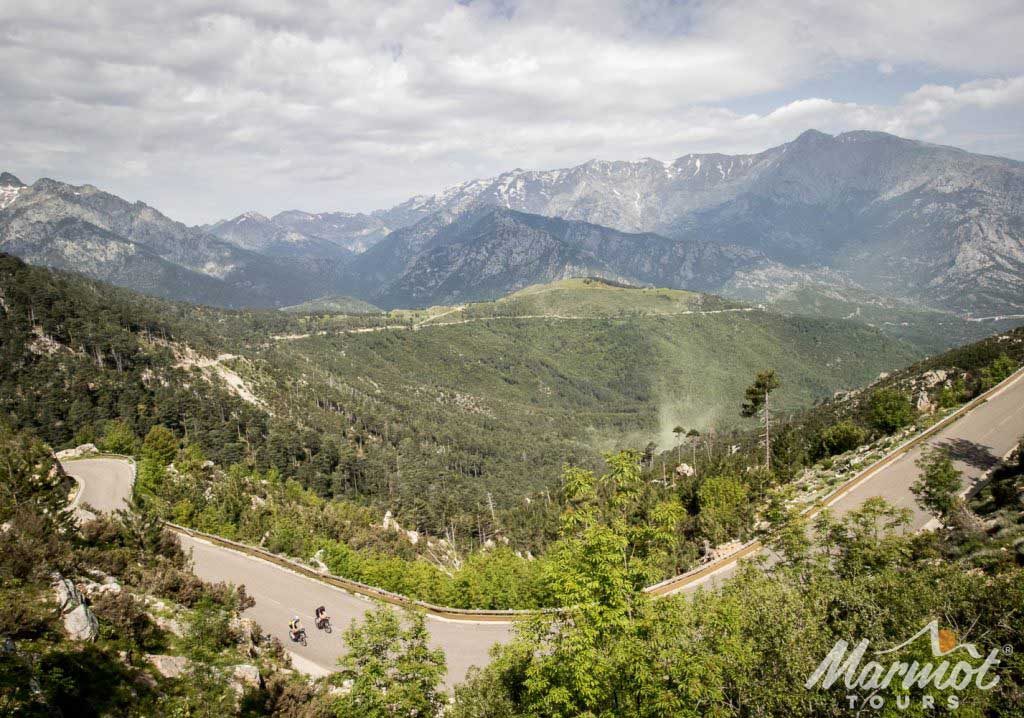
(430, 323)
(977, 440)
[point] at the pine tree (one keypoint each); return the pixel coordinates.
(757, 403)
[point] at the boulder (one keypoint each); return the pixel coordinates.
(83, 450)
(924, 404)
(169, 666)
(81, 624)
(685, 470)
(244, 676)
(171, 625)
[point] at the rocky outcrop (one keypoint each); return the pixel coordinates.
(77, 452)
(240, 677)
(685, 469)
(79, 621)
(169, 666)
(245, 676)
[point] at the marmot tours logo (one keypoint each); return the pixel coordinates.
(954, 667)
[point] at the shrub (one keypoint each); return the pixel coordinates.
(127, 617)
(118, 438)
(997, 371)
(724, 509)
(209, 629)
(160, 445)
(840, 437)
(890, 410)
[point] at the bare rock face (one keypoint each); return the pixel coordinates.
(68, 597)
(250, 636)
(934, 377)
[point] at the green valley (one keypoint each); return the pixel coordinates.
(506, 392)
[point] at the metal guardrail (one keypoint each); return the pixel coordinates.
(347, 584)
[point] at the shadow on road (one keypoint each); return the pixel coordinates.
(971, 453)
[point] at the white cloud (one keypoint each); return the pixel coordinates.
(208, 108)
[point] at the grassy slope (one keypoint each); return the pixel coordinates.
(335, 304)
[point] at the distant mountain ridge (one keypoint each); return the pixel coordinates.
(257, 233)
(488, 251)
(130, 244)
(297, 233)
(924, 222)
(356, 232)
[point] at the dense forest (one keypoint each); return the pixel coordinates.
(308, 464)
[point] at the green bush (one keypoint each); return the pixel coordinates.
(160, 445)
(118, 438)
(840, 438)
(997, 371)
(890, 410)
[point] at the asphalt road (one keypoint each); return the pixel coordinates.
(103, 484)
(106, 485)
(977, 440)
(281, 594)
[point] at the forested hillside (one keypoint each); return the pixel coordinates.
(459, 421)
(451, 425)
(494, 398)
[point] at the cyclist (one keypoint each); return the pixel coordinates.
(295, 628)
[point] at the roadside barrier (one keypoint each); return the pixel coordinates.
(380, 594)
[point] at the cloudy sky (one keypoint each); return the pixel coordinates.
(207, 108)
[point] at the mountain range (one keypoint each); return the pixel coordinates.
(489, 251)
(932, 225)
(903, 218)
(84, 229)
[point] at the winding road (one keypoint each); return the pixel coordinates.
(978, 439)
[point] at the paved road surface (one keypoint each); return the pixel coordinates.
(280, 594)
(104, 484)
(977, 440)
